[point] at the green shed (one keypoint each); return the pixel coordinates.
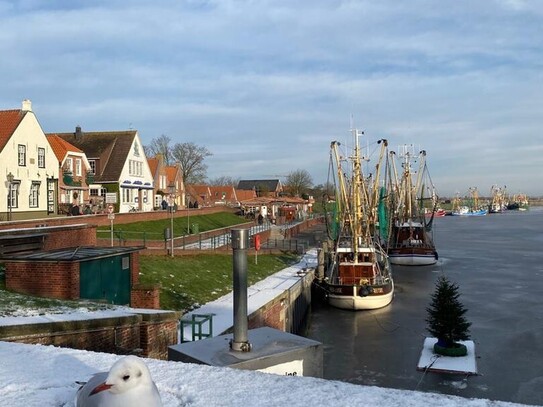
(94, 273)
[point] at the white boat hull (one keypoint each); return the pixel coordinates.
(410, 260)
(357, 303)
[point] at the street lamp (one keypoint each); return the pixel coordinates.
(171, 207)
(10, 178)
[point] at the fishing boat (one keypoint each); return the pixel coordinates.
(437, 213)
(498, 204)
(519, 202)
(471, 207)
(356, 272)
(410, 241)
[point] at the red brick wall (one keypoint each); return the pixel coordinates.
(71, 236)
(145, 297)
(55, 280)
(156, 337)
(147, 334)
(102, 219)
(271, 314)
(135, 268)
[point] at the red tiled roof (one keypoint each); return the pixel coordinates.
(153, 165)
(171, 172)
(244, 195)
(9, 120)
(61, 147)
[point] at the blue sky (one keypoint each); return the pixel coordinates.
(267, 85)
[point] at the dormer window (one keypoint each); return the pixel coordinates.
(68, 165)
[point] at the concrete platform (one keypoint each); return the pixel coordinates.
(273, 351)
(432, 362)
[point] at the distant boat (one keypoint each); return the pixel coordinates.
(471, 207)
(436, 213)
(410, 242)
(357, 273)
(499, 200)
(519, 202)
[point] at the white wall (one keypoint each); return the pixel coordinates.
(30, 134)
(145, 176)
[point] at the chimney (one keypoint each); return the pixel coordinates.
(78, 133)
(27, 106)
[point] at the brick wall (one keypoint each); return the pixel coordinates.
(102, 219)
(155, 338)
(145, 296)
(272, 314)
(54, 280)
(71, 236)
(146, 334)
(134, 268)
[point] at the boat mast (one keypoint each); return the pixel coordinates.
(357, 194)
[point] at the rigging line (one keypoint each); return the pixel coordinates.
(435, 358)
(397, 326)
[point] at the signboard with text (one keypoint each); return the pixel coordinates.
(111, 197)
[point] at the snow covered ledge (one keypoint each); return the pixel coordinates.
(45, 376)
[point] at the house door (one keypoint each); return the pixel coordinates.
(106, 279)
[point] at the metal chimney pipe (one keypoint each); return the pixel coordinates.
(240, 244)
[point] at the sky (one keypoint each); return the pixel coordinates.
(267, 85)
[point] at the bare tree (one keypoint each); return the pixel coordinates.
(224, 180)
(298, 182)
(160, 145)
(191, 157)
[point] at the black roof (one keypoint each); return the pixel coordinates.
(259, 184)
(71, 254)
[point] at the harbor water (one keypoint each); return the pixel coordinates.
(497, 262)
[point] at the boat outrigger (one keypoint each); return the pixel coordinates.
(356, 271)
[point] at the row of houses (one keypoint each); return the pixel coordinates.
(83, 172)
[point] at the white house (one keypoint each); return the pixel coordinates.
(122, 176)
(28, 166)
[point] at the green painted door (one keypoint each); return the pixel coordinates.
(106, 279)
(90, 280)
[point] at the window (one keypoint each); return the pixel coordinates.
(135, 167)
(68, 164)
(13, 195)
(98, 192)
(78, 167)
(93, 166)
(34, 194)
(22, 155)
(41, 157)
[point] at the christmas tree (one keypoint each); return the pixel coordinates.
(446, 319)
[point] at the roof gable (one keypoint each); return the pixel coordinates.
(9, 121)
(61, 147)
(110, 147)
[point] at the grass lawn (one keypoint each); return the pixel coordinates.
(190, 281)
(154, 230)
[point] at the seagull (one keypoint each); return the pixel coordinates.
(128, 383)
